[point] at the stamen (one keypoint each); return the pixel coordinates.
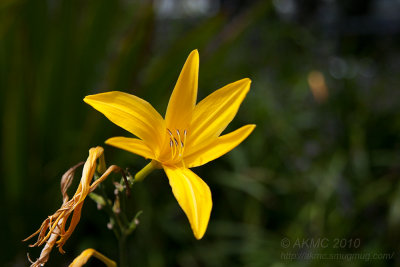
(170, 134)
(184, 141)
(171, 144)
(177, 144)
(180, 141)
(175, 148)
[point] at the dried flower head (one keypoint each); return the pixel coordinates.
(54, 229)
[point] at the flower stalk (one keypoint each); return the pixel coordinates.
(147, 170)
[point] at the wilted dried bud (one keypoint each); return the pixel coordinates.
(54, 226)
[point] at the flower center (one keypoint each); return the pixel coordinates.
(177, 143)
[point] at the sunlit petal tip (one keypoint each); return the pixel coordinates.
(194, 53)
(251, 126)
(245, 83)
(194, 197)
(90, 98)
(247, 80)
(199, 233)
(86, 98)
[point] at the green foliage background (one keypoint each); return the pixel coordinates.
(311, 169)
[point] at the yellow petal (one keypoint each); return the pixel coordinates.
(183, 98)
(194, 197)
(219, 147)
(133, 114)
(132, 145)
(215, 112)
(87, 254)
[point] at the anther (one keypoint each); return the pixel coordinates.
(170, 133)
(177, 143)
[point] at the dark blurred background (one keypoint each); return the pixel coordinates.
(323, 162)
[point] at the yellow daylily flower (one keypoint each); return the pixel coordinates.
(87, 254)
(189, 136)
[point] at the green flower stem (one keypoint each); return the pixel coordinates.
(109, 210)
(147, 170)
(123, 262)
(121, 235)
(122, 227)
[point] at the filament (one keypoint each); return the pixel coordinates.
(177, 144)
